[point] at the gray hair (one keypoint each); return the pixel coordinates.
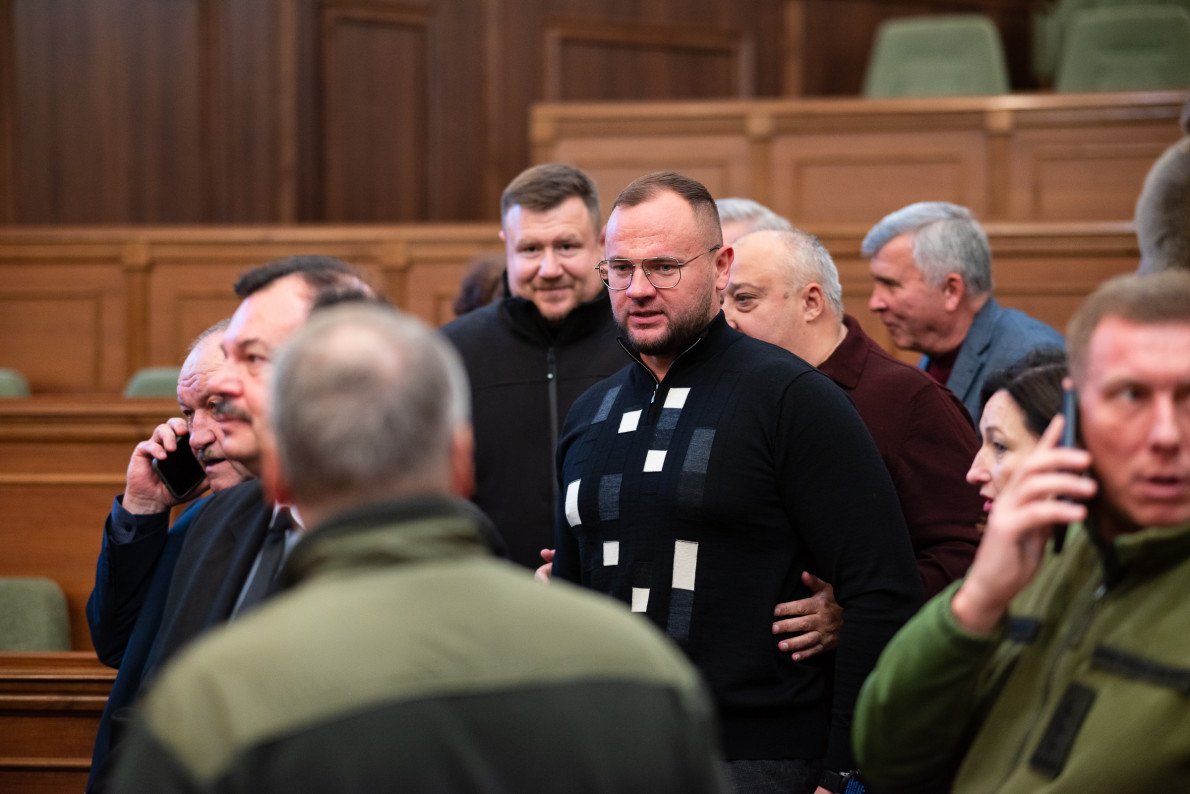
(208, 332)
(365, 401)
(947, 239)
(758, 217)
(806, 259)
(1162, 210)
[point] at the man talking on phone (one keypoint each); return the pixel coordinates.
(237, 540)
(134, 569)
(1047, 670)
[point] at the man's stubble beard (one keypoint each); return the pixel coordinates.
(683, 329)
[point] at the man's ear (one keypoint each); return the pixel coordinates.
(813, 301)
(503, 239)
(725, 256)
(954, 291)
(462, 462)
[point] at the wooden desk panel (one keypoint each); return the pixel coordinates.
(81, 308)
(50, 704)
(1016, 157)
(62, 460)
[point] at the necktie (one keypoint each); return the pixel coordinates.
(272, 552)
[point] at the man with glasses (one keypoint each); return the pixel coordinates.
(530, 355)
(704, 477)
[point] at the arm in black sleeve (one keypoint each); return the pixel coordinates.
(848, 516)
(131, 547)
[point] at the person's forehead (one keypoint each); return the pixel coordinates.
(1002, 412)
(570, 216)
(1121, 348)
(747, 269)
(270, 312)
(897, 253)
(209, 354)
(665, 219)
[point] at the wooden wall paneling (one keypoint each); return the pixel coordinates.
(7, 113)
(194, 270)
(375, 100)
(250, 87)
(706, 141)
(63, 322)
(459, 131)
(578, 49)
(1083, 174)
(793, 48)
(862, 176)
(82, 307)
(53, 526)
(61, 463)
(108, 114)
(184, 298)
(587, 61)
(50, 704)
(426, 271)
(836, 160)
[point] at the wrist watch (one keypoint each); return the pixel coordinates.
(842, 782)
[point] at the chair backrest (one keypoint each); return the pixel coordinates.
(153, 382)
(33, 615)
(937, 55)
(1051, 27)
(1126, 48)
(13, 383)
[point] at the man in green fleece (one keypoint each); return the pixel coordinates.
(400, 655)
(1051, 669)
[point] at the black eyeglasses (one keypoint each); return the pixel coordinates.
(663, 272)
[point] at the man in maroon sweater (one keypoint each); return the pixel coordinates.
(784, 288)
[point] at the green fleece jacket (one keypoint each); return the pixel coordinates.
(403, 657)
(1085, 688)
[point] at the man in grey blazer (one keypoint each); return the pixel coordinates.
(932, 271)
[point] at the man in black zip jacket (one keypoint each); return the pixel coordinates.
(704, 477)
(530, 355)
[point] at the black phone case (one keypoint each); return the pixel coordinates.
(180, 471)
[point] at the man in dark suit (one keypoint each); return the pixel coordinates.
(228, 556)
(931, 269)
(133, 573)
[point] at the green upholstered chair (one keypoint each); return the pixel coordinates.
(1051, 25)
(153, 382)
(33, 615)
(937, 55)
(1049, 28)
(13, 383)
(1126, 48)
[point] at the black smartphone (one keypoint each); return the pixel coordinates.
(1069, 439)
(180, 471)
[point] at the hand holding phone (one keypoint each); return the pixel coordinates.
(180, 471)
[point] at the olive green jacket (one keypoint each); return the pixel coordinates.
(1085, 687)
(403, 657)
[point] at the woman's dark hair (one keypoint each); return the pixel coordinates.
(1034, 383)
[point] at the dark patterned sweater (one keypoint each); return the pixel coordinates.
(700, 500)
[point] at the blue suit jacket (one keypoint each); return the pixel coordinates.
(154, 594)
(998, 337)
(121, 632)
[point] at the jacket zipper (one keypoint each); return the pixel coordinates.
(551, 376)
